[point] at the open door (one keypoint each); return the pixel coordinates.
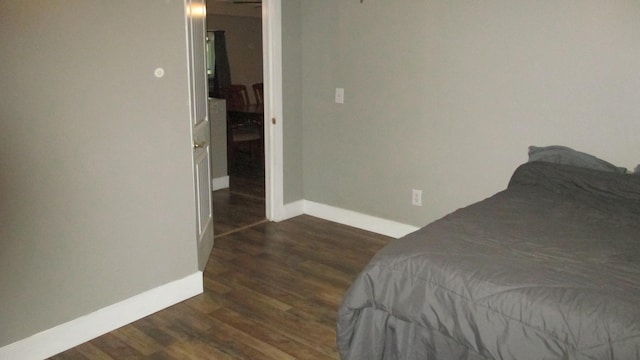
(196, 22)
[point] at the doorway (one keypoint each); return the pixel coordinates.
(263, 188)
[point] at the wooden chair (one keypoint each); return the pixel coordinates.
(243, 135)
(258, 91)
(236, 95)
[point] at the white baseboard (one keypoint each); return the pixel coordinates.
(85, 328)
(293, 209)
(358, 220)
(220, 183)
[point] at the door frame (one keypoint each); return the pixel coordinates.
(273, 134)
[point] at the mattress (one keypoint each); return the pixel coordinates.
(547, 269)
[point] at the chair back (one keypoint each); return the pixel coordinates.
(236, 95)
(258, 91)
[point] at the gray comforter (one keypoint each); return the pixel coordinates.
(547, 269)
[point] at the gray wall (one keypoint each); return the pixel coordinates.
(446, 96)
(96, 180)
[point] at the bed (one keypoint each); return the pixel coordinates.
(547, 269)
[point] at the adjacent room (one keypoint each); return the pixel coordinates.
(234, 53)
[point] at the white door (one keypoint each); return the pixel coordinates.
(196, 22)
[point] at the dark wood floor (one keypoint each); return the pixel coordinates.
(243, 203)
(239, 206)
(271, 292)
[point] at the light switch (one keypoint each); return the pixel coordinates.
(339, 96)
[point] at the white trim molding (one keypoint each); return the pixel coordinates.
(75, 332)
(220, 183)
(293, 209)
(273, 134)
(355, 219)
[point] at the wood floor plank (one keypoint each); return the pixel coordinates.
(187, 319)
(205, 303)
(195, 349)
(245, 345)
(266, 334)
(116, 348)
(76, 354)
(157, 329)
(306, 330)
(215, 285)
(271, 291)
(137, 339)
(91, 351)
(232, 210)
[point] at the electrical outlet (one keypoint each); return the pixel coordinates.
(339, 96)
(416, 197)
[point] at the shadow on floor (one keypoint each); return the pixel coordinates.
(243, 203)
